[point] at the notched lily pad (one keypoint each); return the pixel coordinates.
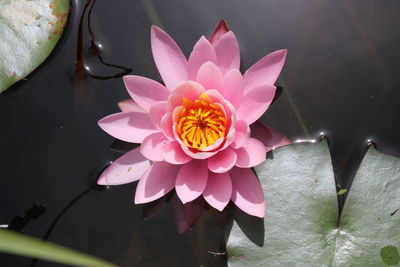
(29, 31)
(302, 227)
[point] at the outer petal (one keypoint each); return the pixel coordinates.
(172, 153)
(255, 102)
(157, 111)
(191, 180)
(265, 71)
(242, 134)
(270, 137)
(169, 59)
(126, 169)
(128, 126)
(152, 146)
(219, 31)
(144, 91)
(210, 76)
(247, 193)
(223, 161)
(228, 53)
(218, 190)
(158, 181)
(251, 154)
(130, 105)
(233, 87)
(202, 52)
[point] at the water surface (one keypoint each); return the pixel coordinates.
(341, 77)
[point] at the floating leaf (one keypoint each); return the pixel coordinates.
(15, 243)
(301, 224)
(29, 31)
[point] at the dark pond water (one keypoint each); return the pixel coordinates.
(341, 77)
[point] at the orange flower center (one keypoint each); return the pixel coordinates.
(201, 122)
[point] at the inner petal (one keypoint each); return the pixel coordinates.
(201, 122)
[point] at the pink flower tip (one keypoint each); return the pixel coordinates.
(219, 31)
(102, 181)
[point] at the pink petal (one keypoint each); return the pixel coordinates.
(251, 154)
(190, 90)
(152, 145)
(166, 126)
(170, 61)
(242, 134)
(218, 190)
(191, 180)
(219, 31)
(223, 161)
(233, 87)
(157, 181)
(247, 192)
(210, 76)
(219, 100)
(172, 153)
(214, 146)
(130, 105)
(128, 126)
(270, 137)
(202, 52)
(228, 109)
(144, 91)
(255, 102)
(228, 53)
(126, 169)
(265, 71)
(157, 111)
(195, 155)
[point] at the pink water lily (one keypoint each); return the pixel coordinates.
(195, 130)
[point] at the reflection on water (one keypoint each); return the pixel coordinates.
(93, 63)
(341, 78)
(18, 223)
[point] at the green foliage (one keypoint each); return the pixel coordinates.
(15, 243)
(29, 31)
(302, 228)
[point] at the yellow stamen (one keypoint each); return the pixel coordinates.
(201, 123)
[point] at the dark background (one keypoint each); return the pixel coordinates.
(341, 77)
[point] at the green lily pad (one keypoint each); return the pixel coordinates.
(302, 227)
(29, 31)
(15, 243)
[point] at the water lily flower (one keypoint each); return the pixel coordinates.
(195, 130)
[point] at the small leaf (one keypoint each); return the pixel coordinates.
(301, 224)
(390, 255)
(15, 243)
(29, 31)
(341, 192)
